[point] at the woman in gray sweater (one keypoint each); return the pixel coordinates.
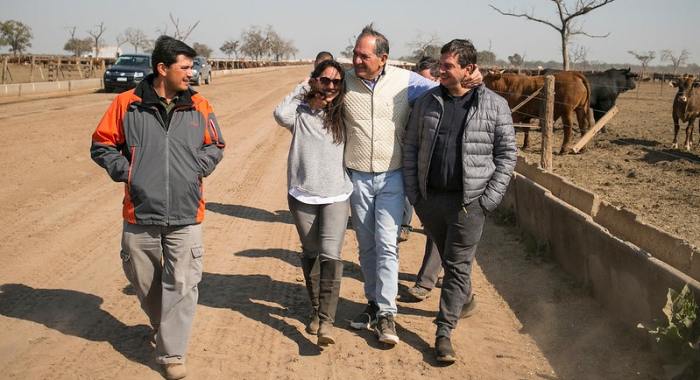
(318, 187)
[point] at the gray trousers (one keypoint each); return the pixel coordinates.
(407, 212)
(321, 228)
(456, 231)
(430, 268)
(164, 265)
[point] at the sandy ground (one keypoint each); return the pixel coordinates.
(633, 165)
(66, 311)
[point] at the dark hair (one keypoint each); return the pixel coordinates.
(167, 49)
(381, 45)
(429, 63)
(333, 118)
(323, 55)
(463, 49)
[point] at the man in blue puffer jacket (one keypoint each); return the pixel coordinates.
(459, 155)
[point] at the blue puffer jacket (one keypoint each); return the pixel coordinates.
(488, 147)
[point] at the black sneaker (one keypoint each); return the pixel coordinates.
(469, 308)
(386, 329)
(443, 350)
(367, 319)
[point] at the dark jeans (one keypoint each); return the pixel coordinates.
(456, 230)
(430, 268)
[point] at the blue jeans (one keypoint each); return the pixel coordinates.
(377, 209)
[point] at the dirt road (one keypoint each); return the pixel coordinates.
(66, 313)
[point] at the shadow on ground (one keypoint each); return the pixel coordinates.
(669, 155)
(77, 314)
(632, 141)
(251, 213)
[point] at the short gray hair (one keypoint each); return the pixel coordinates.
(381, 42)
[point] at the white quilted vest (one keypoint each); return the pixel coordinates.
(375, 121)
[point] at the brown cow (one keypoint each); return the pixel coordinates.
(572, 96)
(686, 107)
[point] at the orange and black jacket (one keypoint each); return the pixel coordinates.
(161, 157)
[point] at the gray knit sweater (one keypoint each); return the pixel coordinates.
(315, 163)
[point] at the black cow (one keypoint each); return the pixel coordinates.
(605, 88)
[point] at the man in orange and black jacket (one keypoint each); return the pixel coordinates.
(161, 139)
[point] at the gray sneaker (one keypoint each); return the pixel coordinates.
(386, 329)
(418, 292)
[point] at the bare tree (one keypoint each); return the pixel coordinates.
(676, 61)
(644, 59)
(566, 25)
(121, 40)
(181, 33)
(16, 35)
(425, 46)
(579, 54)
(230, 47)
(136, 38)
(96, 35)
(254, 43)
(278, 47)
(347, 53)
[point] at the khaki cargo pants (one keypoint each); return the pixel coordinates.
(164, 265)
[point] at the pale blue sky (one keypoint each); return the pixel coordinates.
(327, 25)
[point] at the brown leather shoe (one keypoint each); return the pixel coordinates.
(175, 371)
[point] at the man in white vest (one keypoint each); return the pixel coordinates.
(377, 106)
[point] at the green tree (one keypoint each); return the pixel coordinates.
(16, 35)
(78, 46)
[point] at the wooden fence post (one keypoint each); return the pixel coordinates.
(31, 72)
(547, 123)
(77, 66)
(4, 69)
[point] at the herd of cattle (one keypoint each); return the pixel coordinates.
(585, 98)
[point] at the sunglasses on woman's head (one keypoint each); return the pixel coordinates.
(326, 81)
